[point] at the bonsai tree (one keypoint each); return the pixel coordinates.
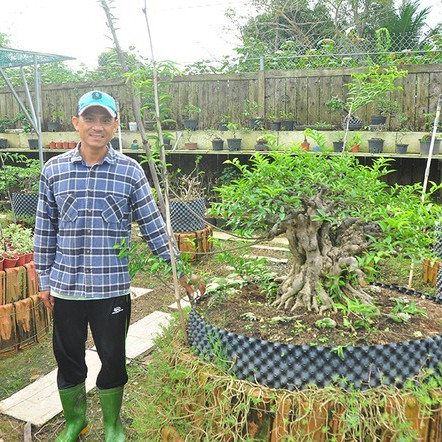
(339, 217)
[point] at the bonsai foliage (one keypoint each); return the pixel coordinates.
(339, 216)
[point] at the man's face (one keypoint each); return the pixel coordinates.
(95, 127)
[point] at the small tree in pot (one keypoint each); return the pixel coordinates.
(187, 204)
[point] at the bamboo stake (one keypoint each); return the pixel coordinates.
(163, 200)
(135, 104)
(165, 181)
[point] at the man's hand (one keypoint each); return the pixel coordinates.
(47, 299)
(190, 283)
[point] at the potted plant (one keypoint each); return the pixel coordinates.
(54, 124)
(217, 143)
(190, 116)
(251, 112)
(425, 143)
(375, 145)
(320, 143)
(355, 142)
(261, 144)
(275, 122)
(339, 142)
(233, 143)
(222, 125)
(21, 182)
(187, 204)
(189, 144)
(5, 123)
(401, 147)
(287, 120)
(386, 108)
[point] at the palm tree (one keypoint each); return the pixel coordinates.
(407, 26)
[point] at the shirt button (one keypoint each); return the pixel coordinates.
(89, 230)
(88, 270)
(88, 251)
(89, 210)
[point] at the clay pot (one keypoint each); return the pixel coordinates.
(65, 145)
(59, 145)
(21, 260)
(52, 145)
(8, 263)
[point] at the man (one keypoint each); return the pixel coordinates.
(88, 199)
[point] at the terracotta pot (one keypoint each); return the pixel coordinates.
(21, 260)
(52, 145)
(72, 145)
(191, 146)
(2, 261)
(65, 145)
(10, 262)
(59, 145)
(305, 146)
(29, 257)
(355, 148)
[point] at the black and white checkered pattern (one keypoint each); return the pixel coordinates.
(24, 204)
(187, 216)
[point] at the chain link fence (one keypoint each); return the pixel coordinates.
(345, 51)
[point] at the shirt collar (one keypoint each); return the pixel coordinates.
(109, 157)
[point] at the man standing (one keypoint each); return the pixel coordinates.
(88, 199)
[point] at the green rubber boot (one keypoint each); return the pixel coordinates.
(111, 400)
(73, 401)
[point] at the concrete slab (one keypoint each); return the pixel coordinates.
(228, 237)
(136, 292)
(183, 303)
(268, 258)
(141, 334)
(39, 402)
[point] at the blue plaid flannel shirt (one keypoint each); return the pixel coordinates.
(83, 211)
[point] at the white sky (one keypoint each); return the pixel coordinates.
(183, 30)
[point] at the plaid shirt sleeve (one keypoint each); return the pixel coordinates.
(45, 234)
(147, 215)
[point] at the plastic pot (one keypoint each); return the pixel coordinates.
(337, 146)
(378, 119)
(275, 125)
(190, 124)
(425, 147)
(375, 145)
(234, 143)
(217, 144)
(401, 148)
(287, 124)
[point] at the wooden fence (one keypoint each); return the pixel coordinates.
(303, 92)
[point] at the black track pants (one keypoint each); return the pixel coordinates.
(109, 321)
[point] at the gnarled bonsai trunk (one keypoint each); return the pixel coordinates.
(323, 253)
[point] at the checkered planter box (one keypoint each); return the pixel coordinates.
(187, 216)
(438, 250)
(24, 204)
(292, 367)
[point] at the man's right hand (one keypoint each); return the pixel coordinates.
(47, 299)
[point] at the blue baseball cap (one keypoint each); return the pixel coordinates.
(97, 98)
